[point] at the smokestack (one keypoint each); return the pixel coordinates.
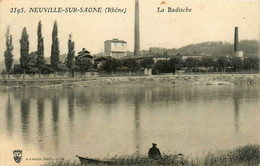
(137, 32)
(237, 52)
(236, 46)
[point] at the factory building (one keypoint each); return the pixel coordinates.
(115, 48)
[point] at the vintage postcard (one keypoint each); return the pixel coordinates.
(129, 82)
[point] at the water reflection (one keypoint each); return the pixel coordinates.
(70, 102)
(40, 120)
(236, 111)
(108, 97)
(82, 116)
(71, 105)
(9, 115)
(84, 99)
(137, 104)
(25, 111)
(55, 120)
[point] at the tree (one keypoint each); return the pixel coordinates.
(71, 53)
(222, 63)
(251, 64)
(8, 52)
(84, 64)
(55, 52)
(207, 62)
(175, 63)
(24, 50)
(147, 63)
(130, 64)
(40, 48)
(111, 65)
(162, 66)
(237, 63)
(191, 63)
(32, 59)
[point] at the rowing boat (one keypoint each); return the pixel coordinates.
(179, 159)
(86, 160)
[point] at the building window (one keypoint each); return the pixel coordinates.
(114, 44)
(122, 44)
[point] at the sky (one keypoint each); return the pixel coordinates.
(208, 21)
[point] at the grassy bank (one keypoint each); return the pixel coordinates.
(242, 156)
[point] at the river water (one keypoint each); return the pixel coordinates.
(109, 121)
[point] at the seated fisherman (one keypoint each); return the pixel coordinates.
(154, 153)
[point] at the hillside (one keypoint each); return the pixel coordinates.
(217, 48)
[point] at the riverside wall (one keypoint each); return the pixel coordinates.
(220, 79)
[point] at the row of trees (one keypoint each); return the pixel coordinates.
(233, 64)
(162, 66)
(222, 64)
(127, 64)
(26, 57)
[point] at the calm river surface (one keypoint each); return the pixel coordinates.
(103, 122)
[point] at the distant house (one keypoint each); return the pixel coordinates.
(156, 57)
(84, 54)
(251, 55)
(115, 48)
(99, 61)
(185, 57)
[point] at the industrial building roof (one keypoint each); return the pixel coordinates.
(152, 55)
(115, 41)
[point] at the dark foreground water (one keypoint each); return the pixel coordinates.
(103, 122)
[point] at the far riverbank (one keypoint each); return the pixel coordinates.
(218, 79)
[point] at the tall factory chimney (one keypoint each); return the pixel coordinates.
(236, 46)
(237, 52)
(137, 32)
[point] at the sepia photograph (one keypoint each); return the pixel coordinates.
(129, 82)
